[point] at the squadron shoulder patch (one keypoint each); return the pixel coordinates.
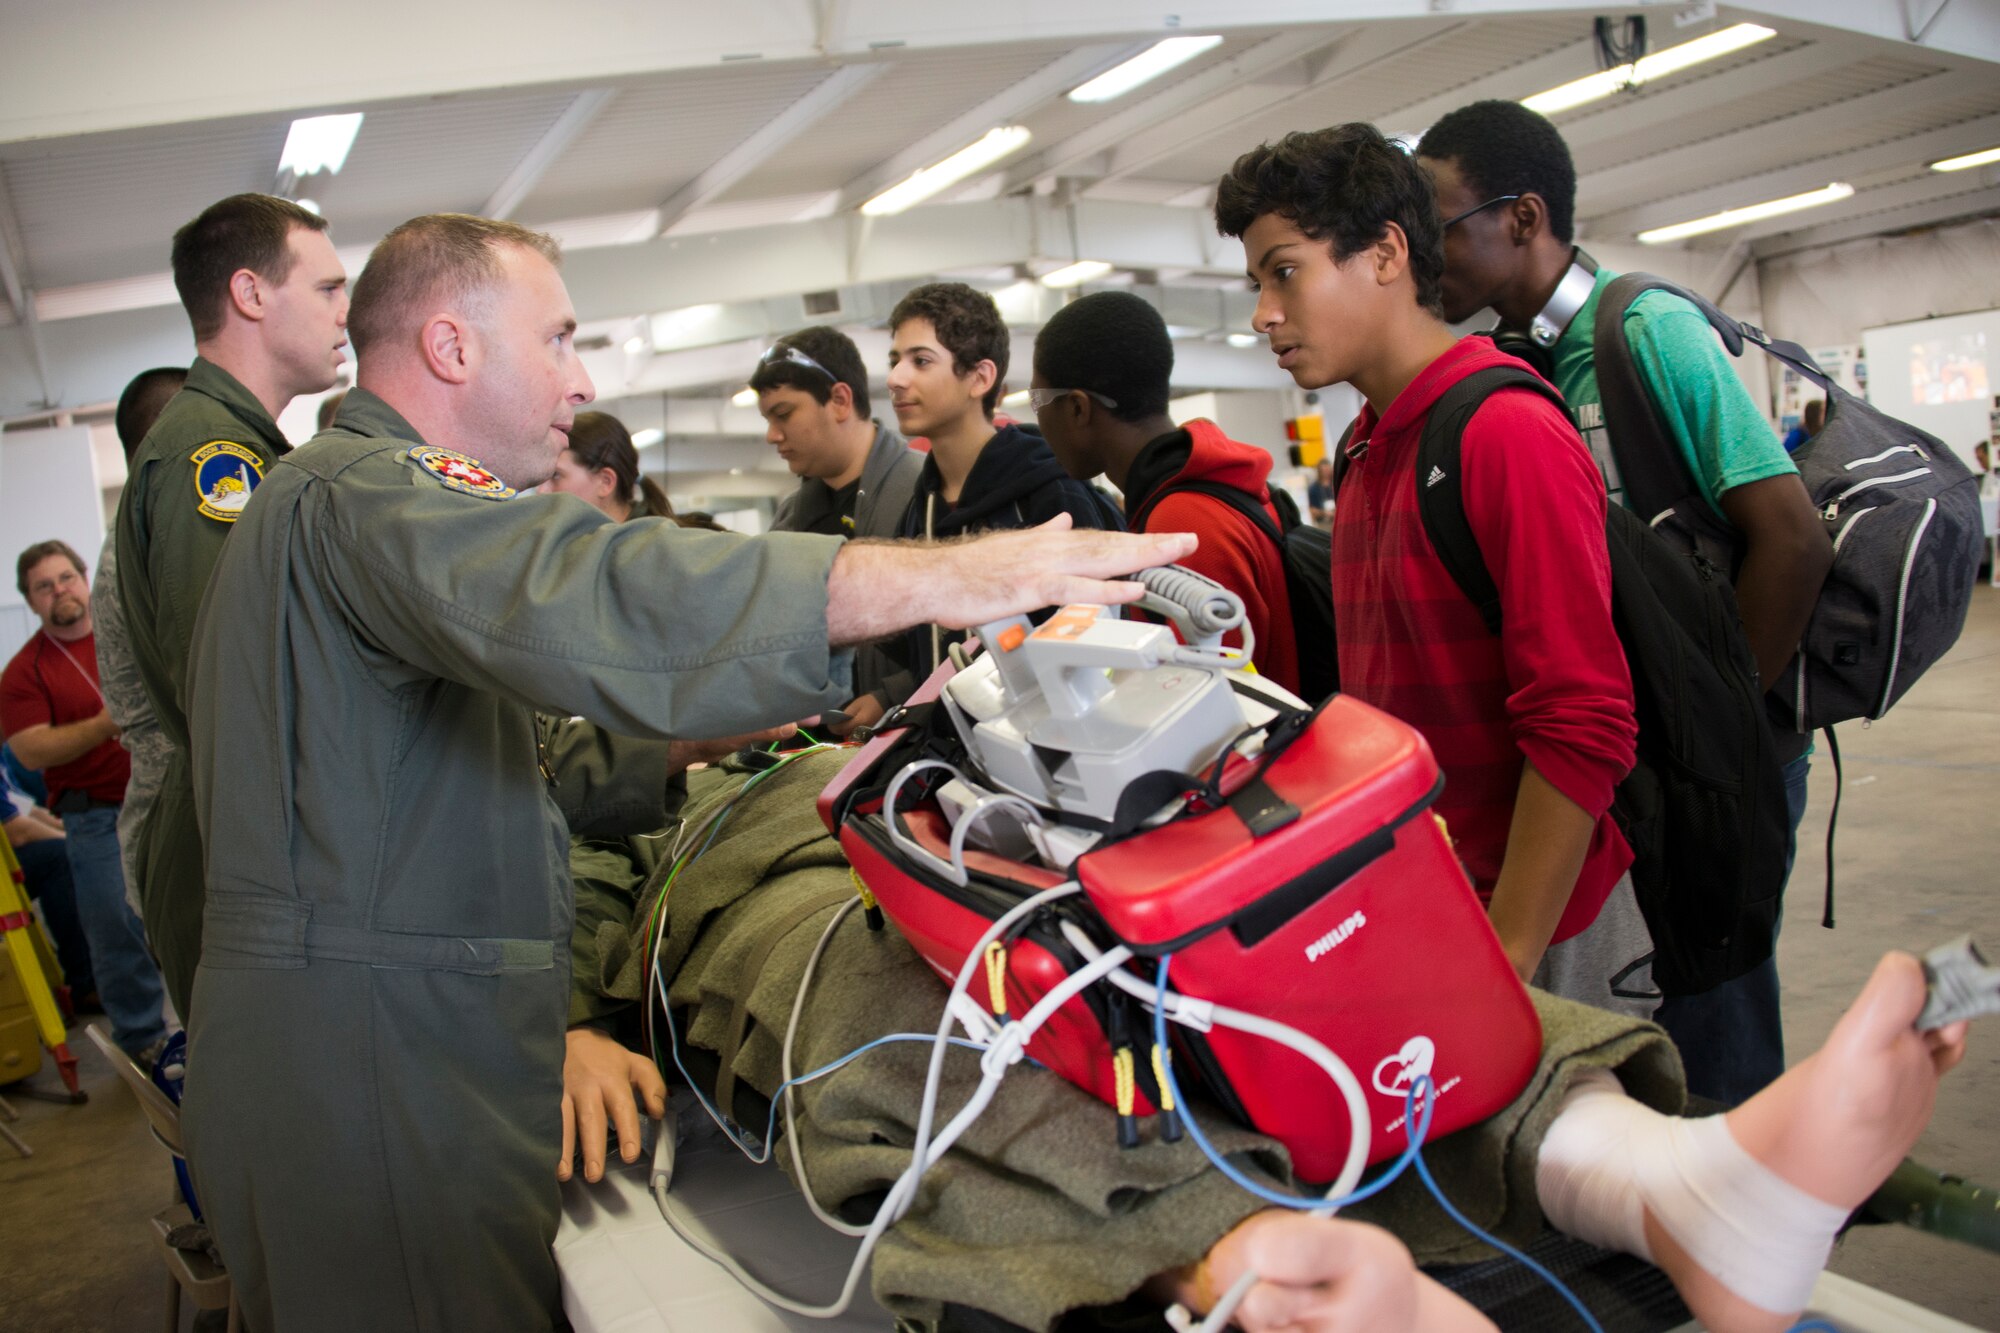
(225, 473)
(460, 473)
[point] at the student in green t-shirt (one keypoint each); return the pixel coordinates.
(1507, 189)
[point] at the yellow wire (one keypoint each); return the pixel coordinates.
(1122, 1069)
(996, 976)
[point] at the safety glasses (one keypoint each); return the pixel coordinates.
(782, 353)
(1451, 222)
(1039, 399)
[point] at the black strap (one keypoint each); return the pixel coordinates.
(1261, 919)
(1260, 807)
(1341, 461)
(1651, 466)
(1236, 499)
(1832, 818)
(1440, 482)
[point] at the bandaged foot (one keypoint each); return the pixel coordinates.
(1741, 1210)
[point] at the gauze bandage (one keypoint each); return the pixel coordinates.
(1607, 1160)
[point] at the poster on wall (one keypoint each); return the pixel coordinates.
(1949, 370)
(1940, 375)
(1845, 364)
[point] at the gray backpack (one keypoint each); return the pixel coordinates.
(1901, 510)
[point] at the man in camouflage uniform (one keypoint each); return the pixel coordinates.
(118, 674)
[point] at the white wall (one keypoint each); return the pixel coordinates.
(48, 489)
(1821, 297)
(1704, 271)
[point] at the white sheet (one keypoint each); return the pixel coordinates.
(625, 1271)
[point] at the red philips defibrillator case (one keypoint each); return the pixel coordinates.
(1318, 891)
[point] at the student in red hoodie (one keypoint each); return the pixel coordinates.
(1533, 727)
(1102, 366)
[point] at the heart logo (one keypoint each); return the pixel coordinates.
(1397, 1072)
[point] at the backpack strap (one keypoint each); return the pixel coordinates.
(1229, 495)
(1341, 461)
(1440, 484)
(1650, 464)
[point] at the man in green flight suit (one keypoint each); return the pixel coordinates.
(268, 300)
(375, 1079)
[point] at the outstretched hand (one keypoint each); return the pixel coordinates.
(878, 588)
(1321, 1274)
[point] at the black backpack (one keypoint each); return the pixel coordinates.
(1307, 554)
(1704, 806)
(1901, 511)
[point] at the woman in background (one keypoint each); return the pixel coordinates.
(601, 468)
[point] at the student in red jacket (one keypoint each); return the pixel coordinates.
(1102, 366)
(1533, 727)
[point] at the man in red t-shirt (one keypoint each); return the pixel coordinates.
(52, 714)
(1102, 368)
(1534, 726)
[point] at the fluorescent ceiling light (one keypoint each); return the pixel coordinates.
(1018, 398)
(1655, 66)
(1075, 275)
(319, 143)
(1148, 65)
(1243, 340)
(309, 205)
(673, 327)
(974, 157)
(646, 439)
(634, 345)
(744, 397)
(1736, 217)
(1979, 159)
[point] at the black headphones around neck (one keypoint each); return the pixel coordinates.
(1536, 344)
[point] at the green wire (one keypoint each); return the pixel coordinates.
(713, 826)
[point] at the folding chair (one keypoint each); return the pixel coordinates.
(189, 1272)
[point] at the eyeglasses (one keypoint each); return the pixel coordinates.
(1038, 399)
(1497, 199)
(784, 352)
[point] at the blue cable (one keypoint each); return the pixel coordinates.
(1423, 1083)
(1302, 1202)
(1813, 1326)
(741, 1137)
(1416, 1124)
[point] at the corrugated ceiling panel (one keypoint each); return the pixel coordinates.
(1761, 108)
(1060, 119)
(1373, 94)
(657, 135)
(441, 156)
(919, 94)
(1947, 111)
(1817, 139)
(106, 206)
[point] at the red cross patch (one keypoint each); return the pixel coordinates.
(460, 473)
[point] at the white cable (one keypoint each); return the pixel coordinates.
(1201, 1014)
(791, 1034)
(905, 1188)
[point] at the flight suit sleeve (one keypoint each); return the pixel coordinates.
(606, 785)
(645, 628)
